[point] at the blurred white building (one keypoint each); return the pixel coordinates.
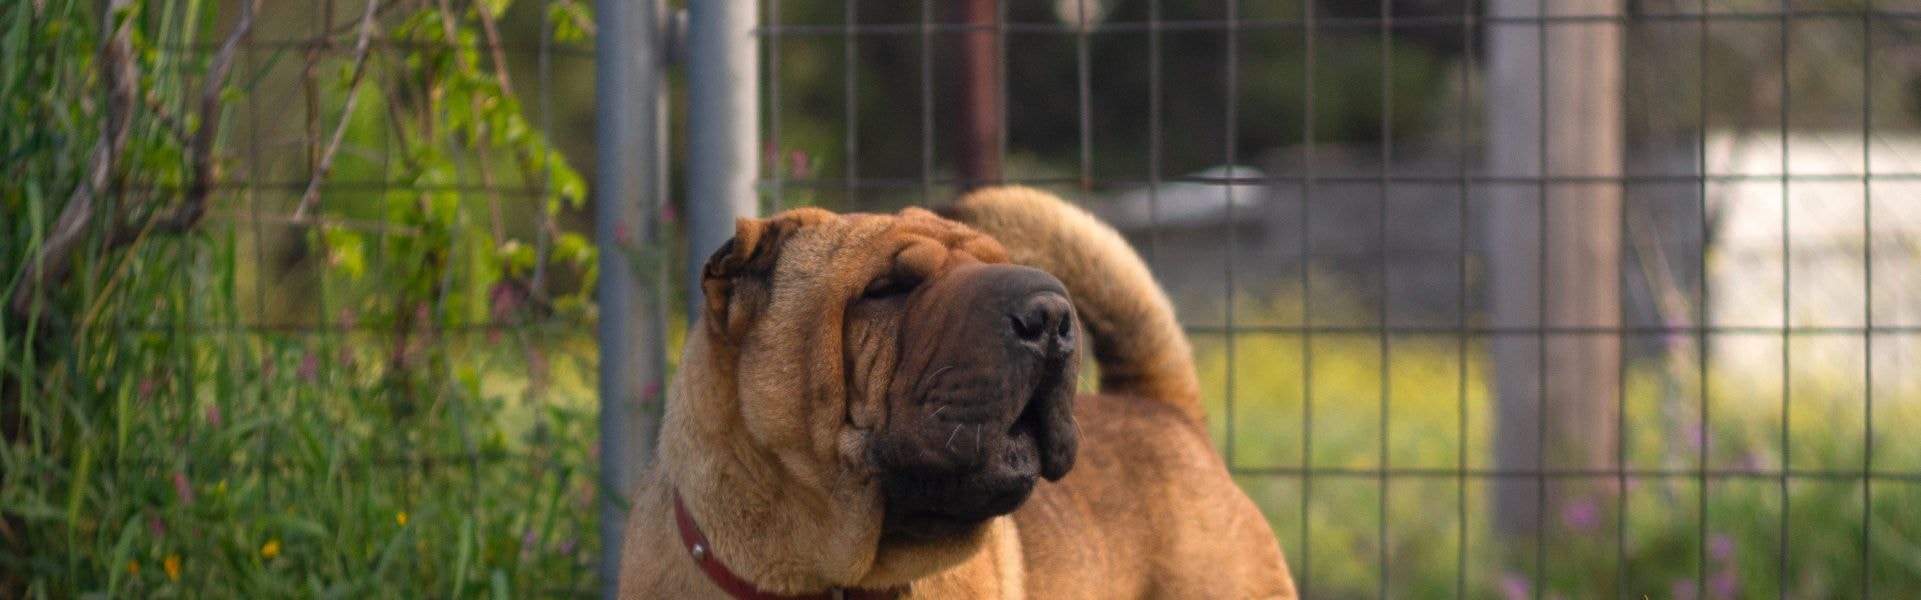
(1849, 208)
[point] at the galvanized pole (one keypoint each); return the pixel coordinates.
(629, 189)
(723, 128)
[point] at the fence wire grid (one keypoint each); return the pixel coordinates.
(1644, 325)
(1510, 298)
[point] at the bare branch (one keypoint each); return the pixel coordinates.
(585, 25)
(325, 166)
(201, 146)
(117, 70)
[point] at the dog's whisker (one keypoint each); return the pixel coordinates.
(950, 437)
(937, 372)
(920, 388)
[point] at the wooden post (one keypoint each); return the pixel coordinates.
(1575, 151)
(978, 147)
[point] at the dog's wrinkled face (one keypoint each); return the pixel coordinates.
(914, 358)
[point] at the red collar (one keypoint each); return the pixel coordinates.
(697, 546)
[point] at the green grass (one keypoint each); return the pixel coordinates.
(1582, 546)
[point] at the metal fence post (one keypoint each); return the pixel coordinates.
(629, 94)
(723, 128)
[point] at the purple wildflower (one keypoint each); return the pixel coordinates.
(181, 489)
(567, 546)
(1724, 584)
(156, 526)
(503, 300)
(1681, 589)
(1514, 587)
(213, 415)
(1581, 515)
(309, 366)
(1721, 547)
(801, 168)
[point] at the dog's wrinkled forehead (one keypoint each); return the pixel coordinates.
(930, 233)
(915, 239)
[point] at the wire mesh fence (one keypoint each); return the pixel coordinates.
(1504, 299)
(297, 299)
(1500, 299)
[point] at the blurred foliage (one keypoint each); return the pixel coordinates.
(316, 390)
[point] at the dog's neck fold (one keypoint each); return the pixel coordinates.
(762, 520)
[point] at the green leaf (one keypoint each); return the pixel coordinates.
(567, 15)
(466, 556)
(500, 589)
(572, 247)
(515, 256)
(494, 8)
(568, 185)
(346, 251)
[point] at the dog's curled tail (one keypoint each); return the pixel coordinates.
(1137, 342)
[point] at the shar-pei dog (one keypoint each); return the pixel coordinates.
(884, 406)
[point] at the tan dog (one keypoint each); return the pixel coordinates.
(870, 403)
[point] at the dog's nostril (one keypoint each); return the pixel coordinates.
(1023, 328)
(1042, 315)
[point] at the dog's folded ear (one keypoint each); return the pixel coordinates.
(747, 258)
(741, 253)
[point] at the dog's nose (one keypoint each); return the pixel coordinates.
(1041, 316)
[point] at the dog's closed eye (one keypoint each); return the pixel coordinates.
(889, 286)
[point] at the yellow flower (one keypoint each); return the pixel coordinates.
(133, 567)
(172, 564)
(270, 549)
(401, 518)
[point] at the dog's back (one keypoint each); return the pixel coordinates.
(1149, 509)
